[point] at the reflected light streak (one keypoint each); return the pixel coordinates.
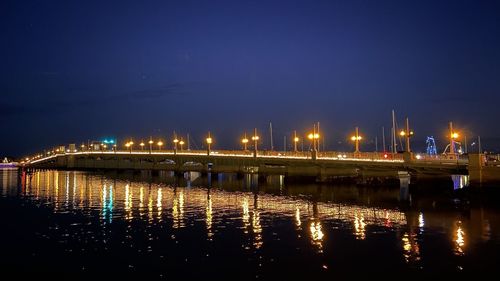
(209, 217)
(297, 217)
(158, 203)
(246, 215)
(459, 239)
(411, 249)
(359, 226)
(317, 235)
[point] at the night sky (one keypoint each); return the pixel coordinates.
(73, 71)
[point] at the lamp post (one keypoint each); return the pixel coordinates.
(356, 138)
(245, 142)
(314, 137)
(295, 141)
(453, 136)
(209, 143)
(181, 143)
(142, 145)
(407, 134)
(255, 139)
(150, 144)
(175, 143)
(114, 147)
(160, 143)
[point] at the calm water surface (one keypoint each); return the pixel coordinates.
(79, 224)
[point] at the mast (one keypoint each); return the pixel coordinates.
(317, 140)
(383, 139)
(393, 140)
(271, 133)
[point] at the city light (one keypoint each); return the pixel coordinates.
(244, 141)
(312, 136)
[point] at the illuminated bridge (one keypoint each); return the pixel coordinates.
(323, 166)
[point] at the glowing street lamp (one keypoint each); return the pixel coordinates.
(160, 143)
(181, 143)
(295, 141)
(176, 141)
(314, 137)
(453, 137)
(150, 144)
(407, 134)
(129, 146)
(209, 143)
(244, 141)
(142, 145)
(255, 139)
(356, 138)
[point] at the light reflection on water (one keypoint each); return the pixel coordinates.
(257, 213)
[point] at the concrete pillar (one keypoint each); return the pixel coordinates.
(407, 157)
(475, 168)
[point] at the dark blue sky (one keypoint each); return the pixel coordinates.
(78, 70)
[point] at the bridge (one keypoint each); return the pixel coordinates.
(365, 167)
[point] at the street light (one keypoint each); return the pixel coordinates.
(175, 143)
(314, 137)
(181, 142)
(150, 144)
(407, 134)
(142, 145)
(255, 139)
(209, 142)
(160, 143)
(295, 141)
(356, 138)
(453, 137)
(128, 146)
(245, 142)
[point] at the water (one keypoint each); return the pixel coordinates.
(80, 224)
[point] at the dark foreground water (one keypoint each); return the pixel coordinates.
(67, 225)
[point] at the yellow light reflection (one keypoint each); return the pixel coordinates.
(158, 203)
(317, 235)
(411, 249)
(257, 229)
(246, 215)
(141, 201)
(459, 239)
(209, 217)
(359, 226)
(297, 217)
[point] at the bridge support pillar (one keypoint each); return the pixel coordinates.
(476, 162)
(404, 185)
(407, 157)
